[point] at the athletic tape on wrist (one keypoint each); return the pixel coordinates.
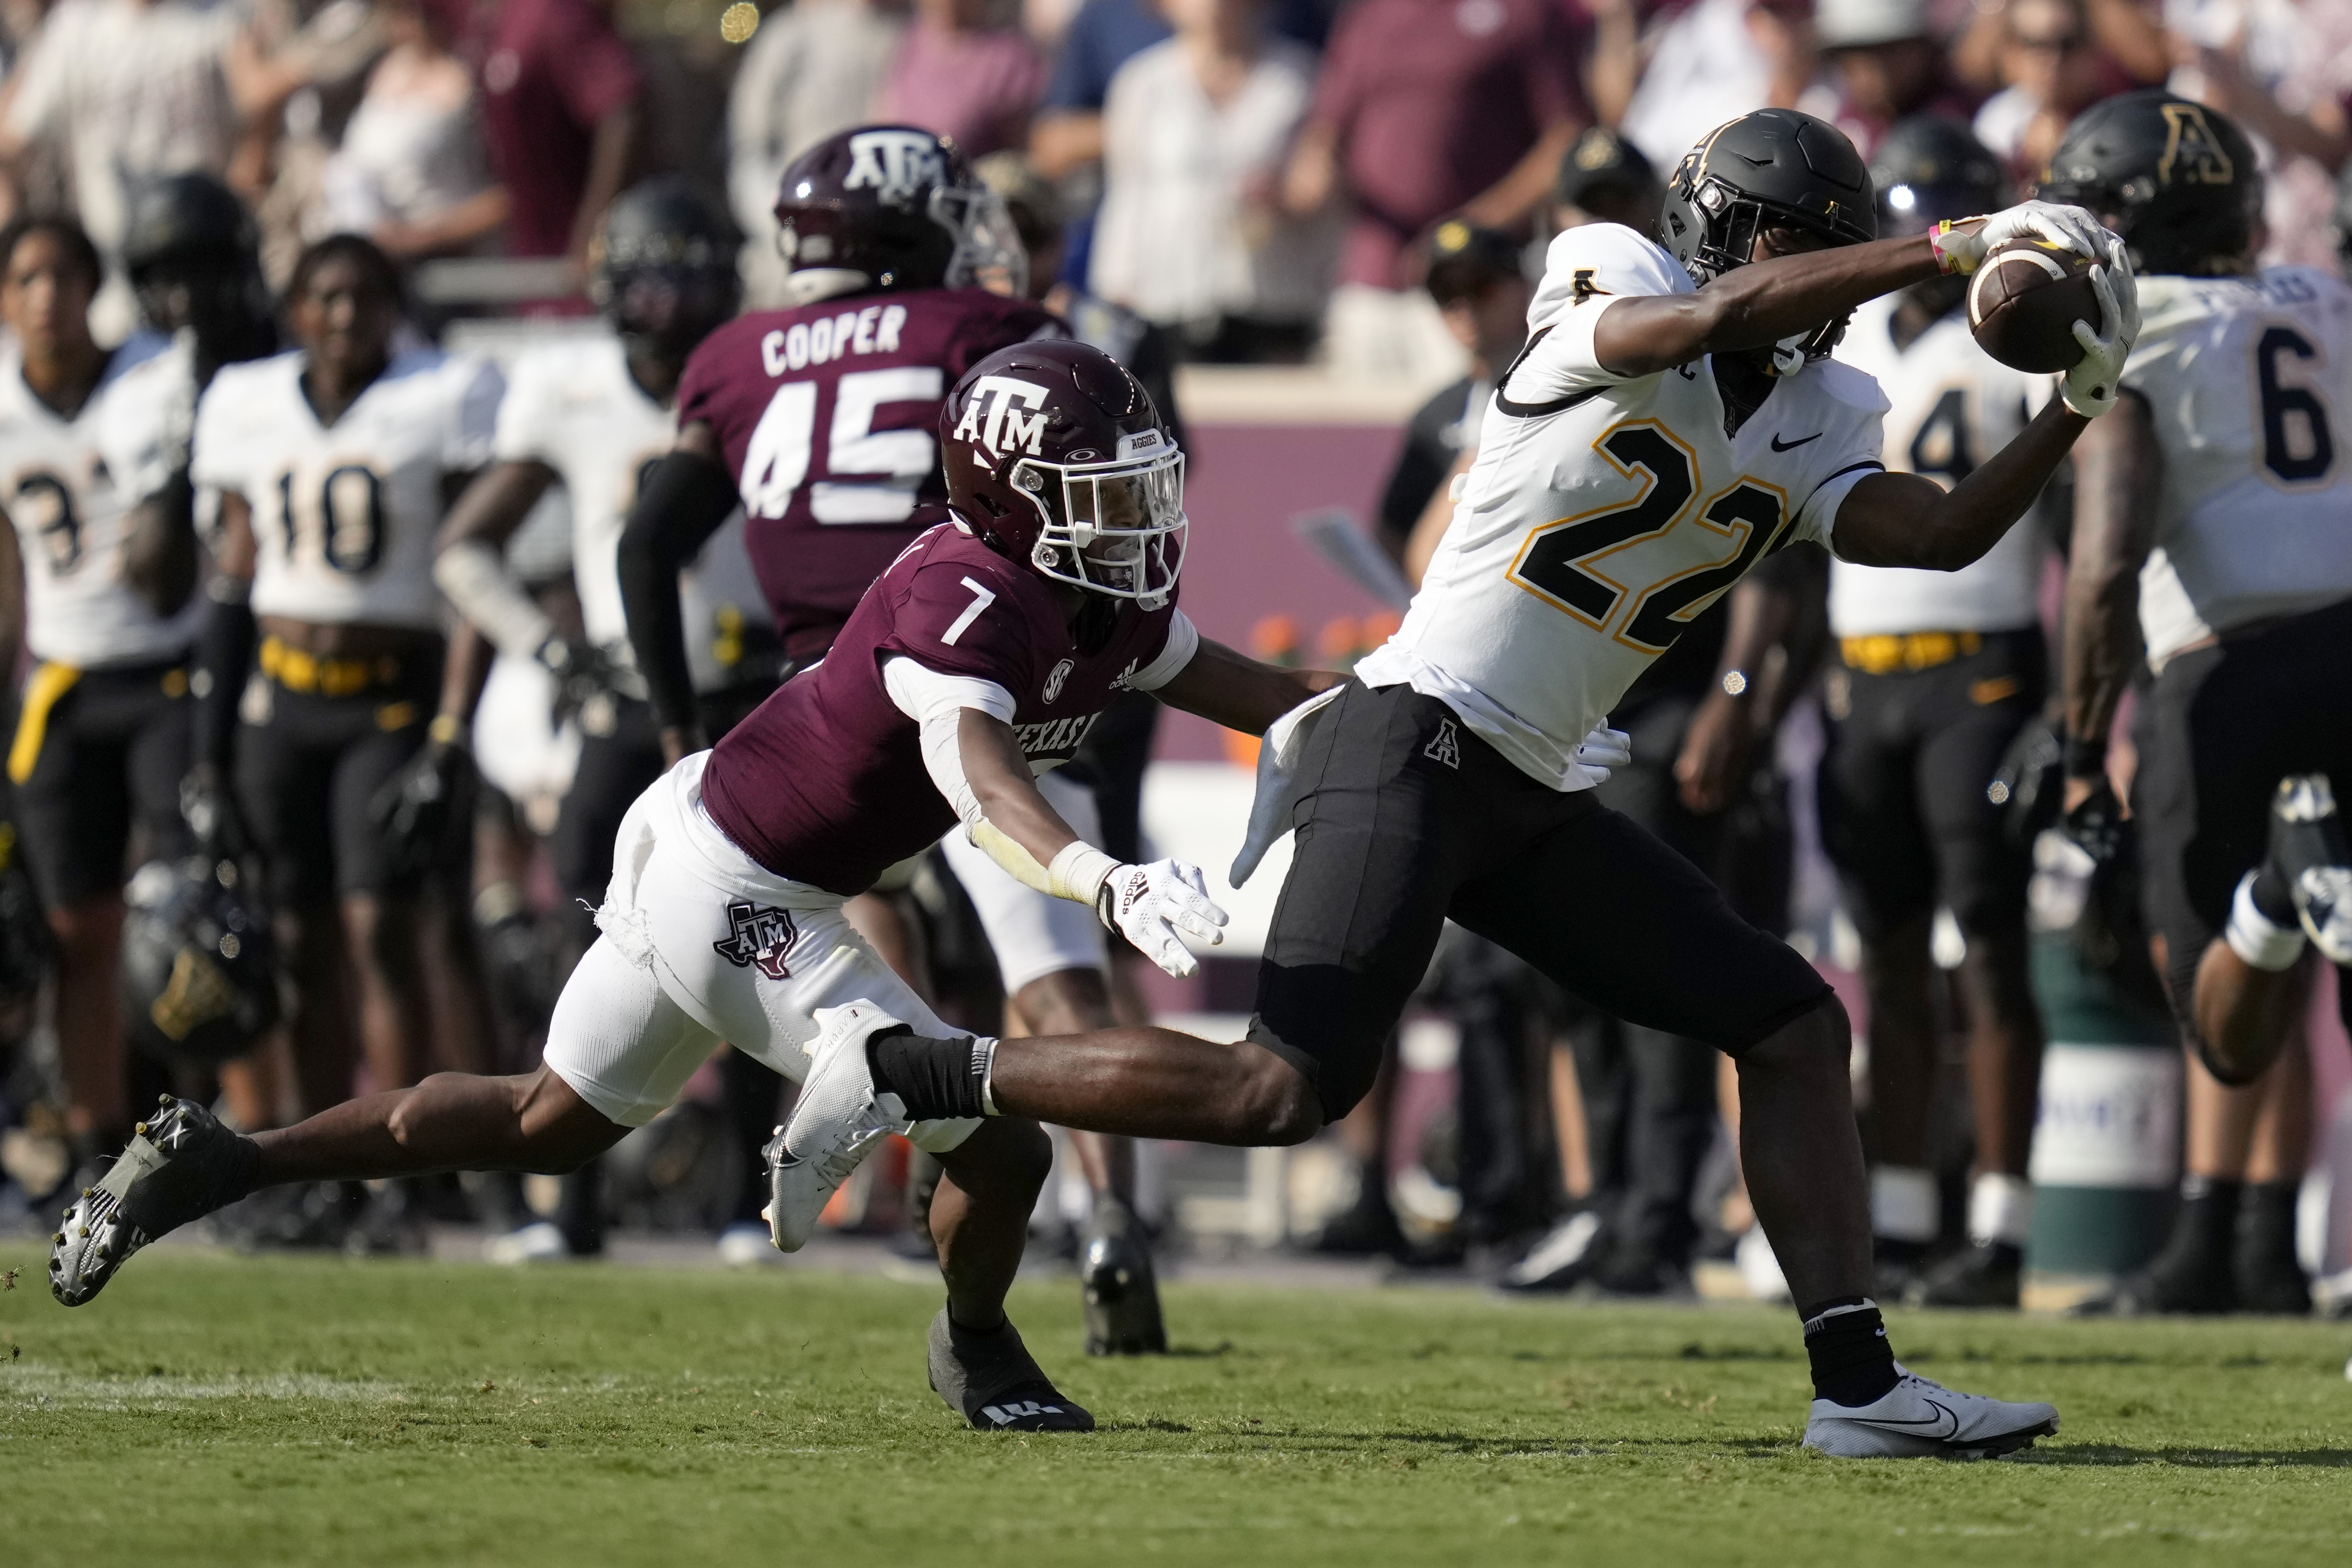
(1953, 251)
(1079, 872)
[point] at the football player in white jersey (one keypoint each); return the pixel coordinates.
(333, 464)
(593, 413)
(1672, 418)
(1941, 672)
(101, 737)
(2213, 529)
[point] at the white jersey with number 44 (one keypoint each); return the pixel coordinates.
(1604, 512)
(344, 514)
(573, 406)
(1951, 407)
(2249, 383)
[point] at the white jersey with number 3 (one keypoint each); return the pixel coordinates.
(344, 514)
(1605, 512)
(2249, 383)
(573, 406)
(68, 486)
(1951, 407)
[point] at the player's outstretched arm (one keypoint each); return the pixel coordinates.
(1753, 306)
(1237, 691)
(1904, 519)
(469, 558)
(689, 495)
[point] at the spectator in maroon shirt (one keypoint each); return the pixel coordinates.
(1881, 55)
(560, 92)
(1431, 108)
(959, 77)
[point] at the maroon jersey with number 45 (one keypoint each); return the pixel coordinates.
(824, 783)
(829, 417)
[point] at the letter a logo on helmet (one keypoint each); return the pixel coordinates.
(1005, 414)
(895, 165)
(2194, 155)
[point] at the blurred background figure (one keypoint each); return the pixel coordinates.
(2284, 71)
(2051, 71)
(412, 172)
(1192, 234)
(1885, 65)
(1605, 179)
(962, 74)
(813, 69)
(1666, 75)
(1424, 112)
(561, 110)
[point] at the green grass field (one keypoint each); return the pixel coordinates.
(212, 1409)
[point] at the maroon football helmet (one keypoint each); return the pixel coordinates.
(1055, 456)
(891, 207)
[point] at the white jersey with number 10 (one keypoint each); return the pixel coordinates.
(2249, 383)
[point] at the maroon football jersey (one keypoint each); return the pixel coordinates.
(829, 417)
(824, 783)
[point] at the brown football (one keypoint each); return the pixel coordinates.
(2023, 302)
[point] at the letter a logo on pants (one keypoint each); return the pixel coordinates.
(1446, 747)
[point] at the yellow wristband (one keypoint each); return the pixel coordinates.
(447, 730)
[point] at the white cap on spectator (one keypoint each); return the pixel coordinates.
(1858, 24)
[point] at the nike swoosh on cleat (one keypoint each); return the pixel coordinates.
(1780, 445)
(1948, 1424)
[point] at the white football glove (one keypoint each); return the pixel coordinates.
(2092, 386)
(1603, 750)
(1153, 906)
(1960, 250)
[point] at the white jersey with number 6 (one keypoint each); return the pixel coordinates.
(344, 513)
(573, 406)
(1951, 407)
(1605, 512)
(67, 486)
(2249, 382)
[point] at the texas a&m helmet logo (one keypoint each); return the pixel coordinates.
(757, 934)
(1003, 415)
(896, 166)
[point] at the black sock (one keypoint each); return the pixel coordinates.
(939, 1081)
(1845, 1339)
(2209, 1213)
(2266, 1218)
(2273, 894)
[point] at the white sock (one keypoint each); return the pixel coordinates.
(1902, 1203)
(2000, 1208)
(2252, 937)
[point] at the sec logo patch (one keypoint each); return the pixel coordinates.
(1060, 673)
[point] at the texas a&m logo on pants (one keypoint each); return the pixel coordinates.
(757, 934)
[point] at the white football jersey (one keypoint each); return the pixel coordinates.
(2249, 383)
(68, 487)
(1605, 512)
(573, 406)
(345, 514)
(1952, 405)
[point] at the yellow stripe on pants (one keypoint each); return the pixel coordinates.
(49, 682)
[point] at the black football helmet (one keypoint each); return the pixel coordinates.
(891, 207)
(662, 268)
(2177, 180)
(1056, 456)
(1926, 170)
(1772, 169)
(199, 977)
(193, 256)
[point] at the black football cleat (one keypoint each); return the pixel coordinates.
(1989, 1274)
(1122, 1296)
(2308, 846)
(990, 1380)
(180, 1166)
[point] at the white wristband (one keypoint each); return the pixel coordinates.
(1079, 871)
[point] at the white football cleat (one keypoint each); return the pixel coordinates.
(837, 1122)
(1918, 1419)
(2308, 844)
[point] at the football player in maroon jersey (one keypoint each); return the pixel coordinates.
(980, 658)
(818, 420)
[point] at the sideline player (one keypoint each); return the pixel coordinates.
(1941, 672)
(2211, 527)
(101, 735)
(596, 414)
(334, 463)
(1052, 588)
(818, 421)
(1673, 419)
